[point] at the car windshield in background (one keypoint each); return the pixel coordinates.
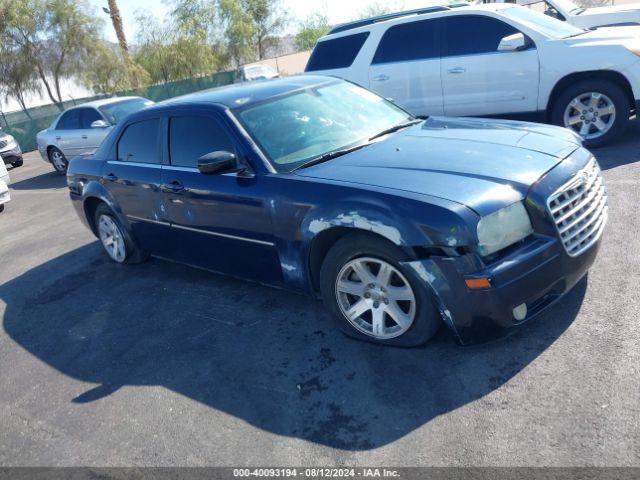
(306, 124)
(116, 112)
(567, 6)
(548, 26)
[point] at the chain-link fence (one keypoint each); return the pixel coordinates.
(25, 125)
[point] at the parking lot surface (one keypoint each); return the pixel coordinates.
(162, 364)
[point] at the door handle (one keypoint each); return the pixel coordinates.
(381, 78)
(58, 137)
(84, 137)
(455, 70)
(174, 186)
(112, 177)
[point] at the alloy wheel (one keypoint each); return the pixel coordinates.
(112, 238)
(375, 298)
(590, 114)
(58, 161)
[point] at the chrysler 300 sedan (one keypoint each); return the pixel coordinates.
(317, 185)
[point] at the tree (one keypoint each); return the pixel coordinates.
(17, 77)
(375, 9)
(311, 29)
(116, 20)
(54, 36)
(251, 27)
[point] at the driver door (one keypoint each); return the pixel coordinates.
(220, 222)
(477, 79)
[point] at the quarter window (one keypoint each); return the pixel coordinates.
(471, 35)
(410, 41)
(70, 120)
(192, 137)
(336, 53)
(139, 142)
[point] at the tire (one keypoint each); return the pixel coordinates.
(374, 252)
(58, 160)
(2, 208)
(108, 227)
(599, 95)
(17, 163)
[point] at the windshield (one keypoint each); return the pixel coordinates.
(116, 112)
(566, 6)
(305, 124)
(542, 23)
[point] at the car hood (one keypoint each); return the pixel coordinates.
(483, 164)
(628, 36)
(629, 8)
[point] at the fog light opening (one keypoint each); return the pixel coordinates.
(520, 312)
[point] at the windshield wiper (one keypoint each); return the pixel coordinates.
(330, 155)
(395, 128)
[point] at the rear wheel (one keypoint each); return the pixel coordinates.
(372, 296)
(117, 243)
(58, 160)
(596, 110)
(17, 163)
(2, 208)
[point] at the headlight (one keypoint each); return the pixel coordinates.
(503, 228)
(11, 142)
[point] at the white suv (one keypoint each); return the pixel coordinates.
(495, 59)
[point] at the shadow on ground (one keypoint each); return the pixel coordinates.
(263, 355)
(51, 180)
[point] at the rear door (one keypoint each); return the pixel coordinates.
(133, 178)
(220, 222)
(68, 133)
(477, 79)
(406, 67)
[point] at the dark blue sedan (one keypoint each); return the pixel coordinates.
(317, 185)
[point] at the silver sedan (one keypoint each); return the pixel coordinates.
(79, 131)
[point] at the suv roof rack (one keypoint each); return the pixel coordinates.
(381, 18)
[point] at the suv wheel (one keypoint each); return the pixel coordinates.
(596, 110)
(115, 240)
(58, 160)
(372, 297)
(17, 163)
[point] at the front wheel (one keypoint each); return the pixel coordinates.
(58, 160)
(17, 163)
(372, 297)
(596, 110)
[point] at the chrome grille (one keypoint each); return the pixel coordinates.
(3, 143)
(579, 209)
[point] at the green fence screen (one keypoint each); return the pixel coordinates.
(25, 125)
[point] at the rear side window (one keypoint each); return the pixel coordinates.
(409, 41)
(336, 53)
(70, 120)
(469, 35)
(88, 116)
(192, 137)
(139, 142)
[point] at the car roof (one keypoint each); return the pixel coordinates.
(244, 94)
(103, 101)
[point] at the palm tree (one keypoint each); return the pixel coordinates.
(114, 12)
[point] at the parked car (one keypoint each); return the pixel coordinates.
(317, 185)
(4, 189)
(492, 60)
(250, 73)
(10, 150)
(589, 17)
(81, 129)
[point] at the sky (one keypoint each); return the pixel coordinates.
(337, 11)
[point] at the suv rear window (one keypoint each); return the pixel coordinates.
(409, 41)
(337, 52)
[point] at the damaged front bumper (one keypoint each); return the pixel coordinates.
(537, 274)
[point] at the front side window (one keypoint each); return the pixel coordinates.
(139, 142)
(192, 137)
(336, 53)
(409, 41)
(307, 123)
(88, 116)
(69, 120)
(474, 34)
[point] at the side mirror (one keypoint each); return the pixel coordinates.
(512, 43)
(99, 124)
(217, 162)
